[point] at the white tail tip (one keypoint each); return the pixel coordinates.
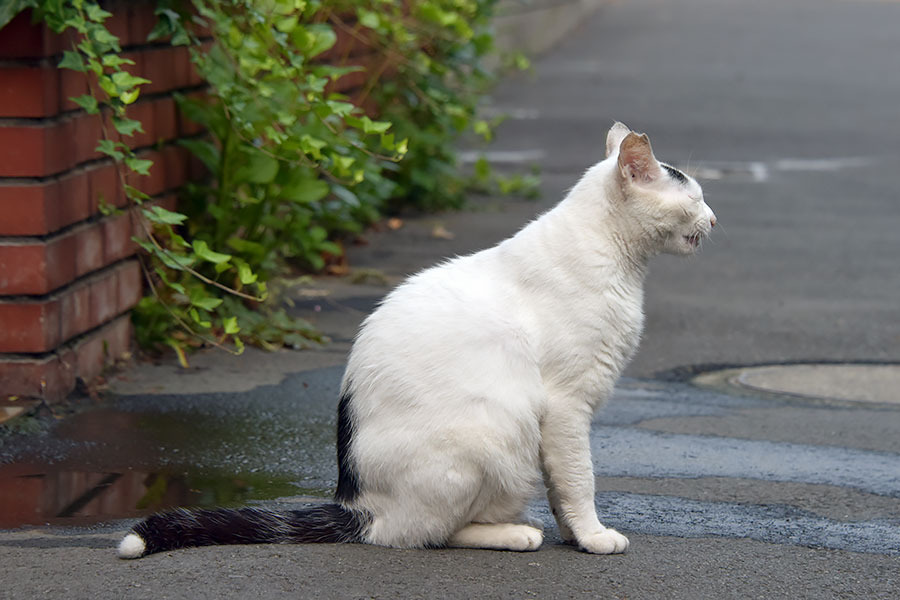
(132, 546)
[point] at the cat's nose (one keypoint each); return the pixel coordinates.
(712, 221)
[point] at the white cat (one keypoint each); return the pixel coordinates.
(476, 377)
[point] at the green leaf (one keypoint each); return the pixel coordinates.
(172, 284)
(483, 129)
(367, 125)
(231, 326)
(206, 303)
(169, 24)
(201, 249)
(72, 60)
(331, 248)
(260, 168)
(135, 194)
(286, 24)
(108, 147)
(205, 323)
(158, 214)
(11, 8)
(114, 60)
(323, 38)
(104, 38)
(140, 166)
(95, 13)
(334, 73)
(342, 163)
(107, 85)
(245, 274)
(316, 262)
(129, 96)
(312, 146)
(85, 46)
(306, 191)
(430, 11)
(147, 246)
(369, 19)
(87, 102)
(482, 169)
(126, 126)
(247, 247)
(348, 197)
(125, 80)
(341, 109)
(177, 262)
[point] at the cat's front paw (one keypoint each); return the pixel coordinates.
(608, 541)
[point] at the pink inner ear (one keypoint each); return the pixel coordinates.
(636, 158)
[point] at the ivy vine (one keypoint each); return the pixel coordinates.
(293, 165)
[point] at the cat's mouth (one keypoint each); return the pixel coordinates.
(694, 239)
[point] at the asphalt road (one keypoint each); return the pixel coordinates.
(788, 113)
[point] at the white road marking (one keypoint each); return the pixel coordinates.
(506, 157)
(760, 172)
(822, 164)
(519, 114)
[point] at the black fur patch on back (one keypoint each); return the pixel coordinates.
(674, 173)
(348, 478)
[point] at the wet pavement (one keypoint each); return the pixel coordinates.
(139, 454)
(676, 464)
(731, 483)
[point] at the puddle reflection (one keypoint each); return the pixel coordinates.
(39, 495)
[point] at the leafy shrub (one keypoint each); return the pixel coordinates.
(292, 165)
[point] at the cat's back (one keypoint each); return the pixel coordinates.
(462, 296)
(460, 318)
(445, 350)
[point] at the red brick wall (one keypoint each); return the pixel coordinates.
(68, 274)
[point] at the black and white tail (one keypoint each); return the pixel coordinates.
(184, 528)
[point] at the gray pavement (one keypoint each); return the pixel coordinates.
(787, 111)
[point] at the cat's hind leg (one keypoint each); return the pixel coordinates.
(504, 524)
(422, 507)
(497, 536)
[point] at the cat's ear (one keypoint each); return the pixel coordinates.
(636, 160)
(615, 136)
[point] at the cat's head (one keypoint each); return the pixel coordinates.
(667, 203)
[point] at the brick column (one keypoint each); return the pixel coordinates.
(68, 274)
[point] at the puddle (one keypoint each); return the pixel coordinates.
(136, 455)
(46, 495)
